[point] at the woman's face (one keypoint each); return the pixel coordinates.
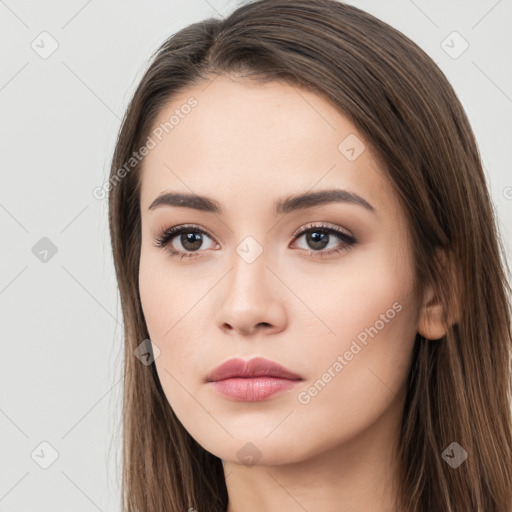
(338, 310)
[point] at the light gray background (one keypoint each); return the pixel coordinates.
(61, 323)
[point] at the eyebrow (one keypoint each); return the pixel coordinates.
(290, 204)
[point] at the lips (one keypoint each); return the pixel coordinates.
(256, 367)
(251, 381)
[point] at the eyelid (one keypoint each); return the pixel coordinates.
(166, 235)
(322, 225)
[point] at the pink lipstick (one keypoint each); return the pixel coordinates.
(253, 380)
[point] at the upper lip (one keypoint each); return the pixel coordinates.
(256, 367)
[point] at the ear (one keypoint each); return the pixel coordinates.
(430, 322)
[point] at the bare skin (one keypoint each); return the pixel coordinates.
(246, 147)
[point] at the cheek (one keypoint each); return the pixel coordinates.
(363, 365)
(155, 291)
(164, 294)
(168, 305)
(351, 297)
(170, 302)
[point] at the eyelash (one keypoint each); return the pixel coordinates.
(164, 239)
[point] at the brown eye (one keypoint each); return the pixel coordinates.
(190, 238)
(319, 237)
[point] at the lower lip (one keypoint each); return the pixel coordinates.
(252, 389)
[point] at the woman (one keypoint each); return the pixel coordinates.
(315, 304)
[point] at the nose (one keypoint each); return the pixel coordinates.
(251, 300)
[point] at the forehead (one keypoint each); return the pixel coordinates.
(230, 139)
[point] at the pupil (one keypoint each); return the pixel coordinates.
(315, 238)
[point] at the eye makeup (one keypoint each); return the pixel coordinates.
(316, 233)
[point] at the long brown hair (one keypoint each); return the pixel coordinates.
(459, 387)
